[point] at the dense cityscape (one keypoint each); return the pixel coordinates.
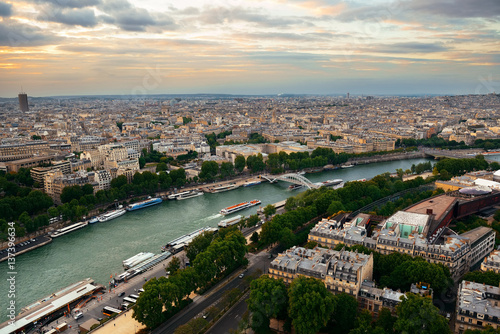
(70, 162)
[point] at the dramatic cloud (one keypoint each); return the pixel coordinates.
(69, 3)
(224, 15)
(22, 35)
(74, 17)
(131, 18)
(411, 48)
(457, 8)
(5, 9)
(237, 46)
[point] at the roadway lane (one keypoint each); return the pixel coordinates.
(231, 319)
(26, 246)
(257, 262)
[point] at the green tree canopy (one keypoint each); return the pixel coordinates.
(344, 315)
(239, 163)
(417, 315)
(268, 299)
(269, 210)
(310, 304)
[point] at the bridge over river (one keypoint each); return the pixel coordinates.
(455, 154)
(292, 178)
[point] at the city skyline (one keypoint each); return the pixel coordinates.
(131, 47)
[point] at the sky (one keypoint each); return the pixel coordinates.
(140, 47)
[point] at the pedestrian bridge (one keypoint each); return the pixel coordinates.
(292, 178)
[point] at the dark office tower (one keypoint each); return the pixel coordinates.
(23, 102)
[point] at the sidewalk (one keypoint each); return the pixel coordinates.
(123, 324)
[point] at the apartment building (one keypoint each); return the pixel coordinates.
(341, 271)
(477, 306)
(405, 232)
(492, 262)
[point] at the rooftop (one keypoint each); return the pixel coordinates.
(438, 204)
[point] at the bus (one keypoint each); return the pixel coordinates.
(134, 296)
(130, 300)
(109, 311)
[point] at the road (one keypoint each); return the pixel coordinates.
(26, 246)
(231, 319)
(201, 303)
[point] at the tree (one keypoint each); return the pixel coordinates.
(363, 324)
(71, 192)
(255, 237)
(178, 177)
(485, 330)
(173, 265)
(344, 315)
(252, 220)
(444, 175)
(161, 167)
(335, 207)
(268, 299)
(148, 309)
(494, 165)
(119, 181)
(199, 244)
(226, 169)
(269, 210)
(488, 277)
(386, 320)
(239, 163)
(310, 304)
(142, 162)
(53, 212)
(287, 238)
(209, 170)
(119, 125)
(417, 315)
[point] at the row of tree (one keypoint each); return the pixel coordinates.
(212, 259)
(437, 142)
(451, 167)
(277, 163)
(309, 307)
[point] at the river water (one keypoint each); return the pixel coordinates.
(98, 250)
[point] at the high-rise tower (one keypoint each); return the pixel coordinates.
(23, 102)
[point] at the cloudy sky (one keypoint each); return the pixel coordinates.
(76, 47)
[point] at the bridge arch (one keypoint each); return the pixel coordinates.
(292, 178)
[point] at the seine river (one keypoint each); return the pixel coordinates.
(98, 250)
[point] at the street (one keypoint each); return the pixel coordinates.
(201, 303)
